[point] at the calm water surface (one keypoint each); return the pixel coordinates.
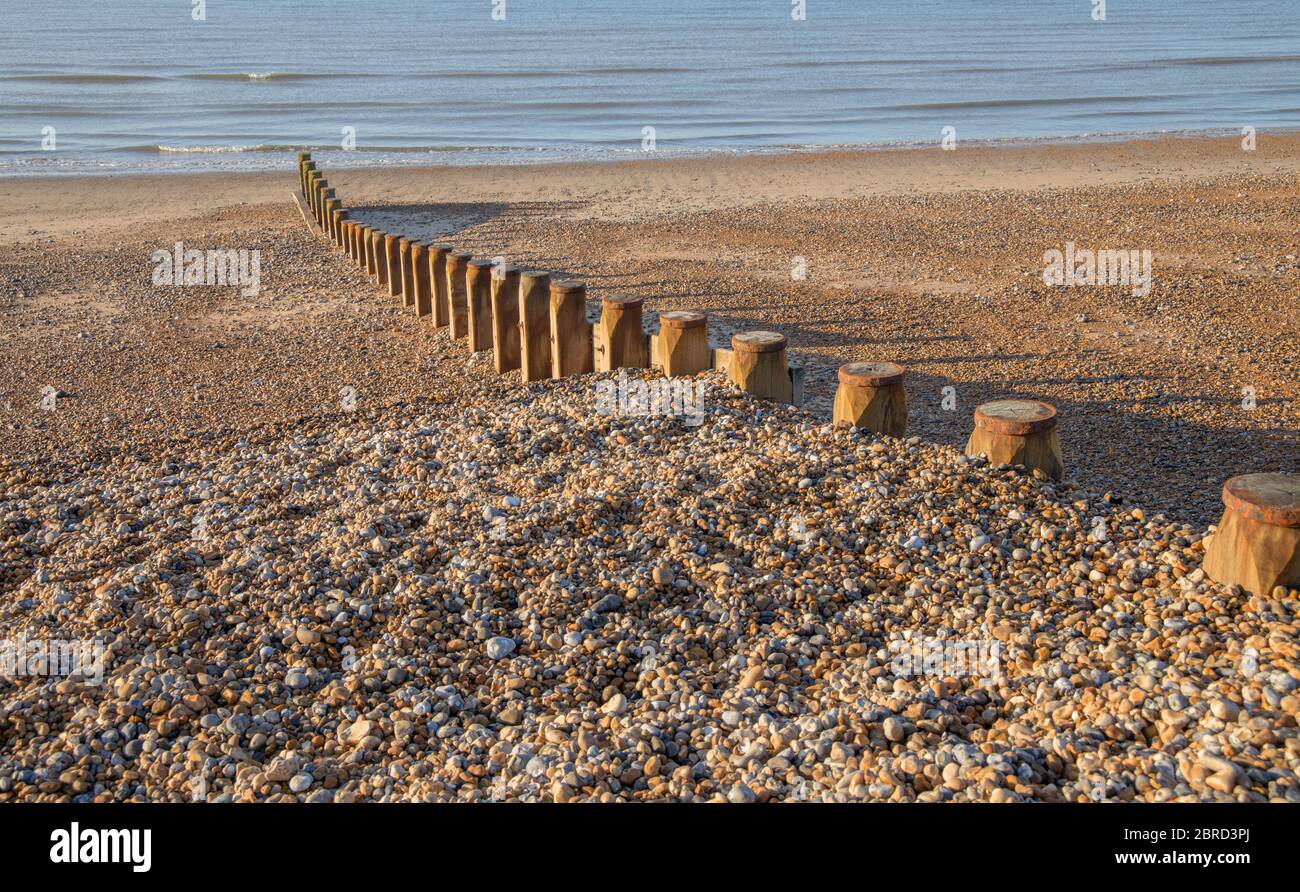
(132, 85)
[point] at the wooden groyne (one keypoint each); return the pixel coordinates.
(537, 323)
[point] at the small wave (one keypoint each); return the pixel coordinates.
(1012, 103)
(218, 150)
(254, 76)
(82, 78)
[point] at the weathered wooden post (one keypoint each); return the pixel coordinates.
(304, 159)
(478, 287)
(363, 248)
(379, 255)
(618, 340)
(393, 260)
(339, 217)
(322, 212)
(683, 343)
(309, 174)
(1257, 543)
(313, 180)
(420, 268)
(1018, 432)
(505, 317)
(407, 289)
(870, 396)
(570, 331)
(534, 325)
(438, 283)
(759, 365)
(457, 300)
(345, 235)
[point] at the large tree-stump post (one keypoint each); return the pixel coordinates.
(1018, 432)
(478, 289)
(408, 271)
(570, 331)
(683, 343)
(1257, 543)
(379, 256)
(618, 340)
(759, 365)
(420, 272)
(393, 262)
(457, 299)
(534, 325)
(438, 283)
(505, 317)
(870, 396)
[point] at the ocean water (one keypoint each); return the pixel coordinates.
(133, 85)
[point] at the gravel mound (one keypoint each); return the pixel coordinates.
(512, 596)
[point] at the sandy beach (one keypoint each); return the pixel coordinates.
(332, 557)
(928, 258)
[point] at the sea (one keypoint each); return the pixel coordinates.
(124, 86)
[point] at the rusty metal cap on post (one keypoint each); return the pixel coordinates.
(1273, 499)
(758, 342)
(1016, 418)
(566, 286)
(871, 374)
(682, 319)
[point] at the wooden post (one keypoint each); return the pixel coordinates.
(505, 317)
(322, 213)
(534, 325)
(618, 340)
(393, 262)
(871, 397)
(457, 301)
(313, 179)
(570, 331)
(438, 283)
(420, 266)
(759, 365)
(379, 255)
(478, 288)
(1018, 432)
(345, 235)
(340, 216)
(683, 343)
(305, 164)
(407, 289)
(309, 174)
(330, 207)
(363, 248)
(1257, 543)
